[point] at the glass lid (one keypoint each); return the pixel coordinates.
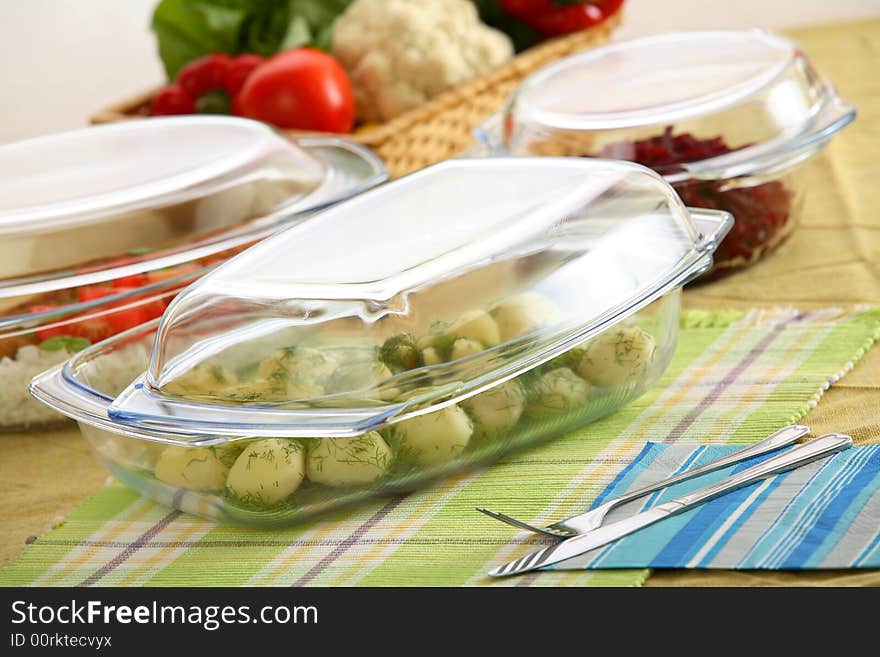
(92, 205)
(417, 294)
(755, 91)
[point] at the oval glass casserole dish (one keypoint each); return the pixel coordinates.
(729, 118)
(99, 226)
(434, 323)
(112, 200)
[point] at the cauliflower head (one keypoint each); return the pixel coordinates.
(400, 53)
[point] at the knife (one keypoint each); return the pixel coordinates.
(590, 520)
(577, 545)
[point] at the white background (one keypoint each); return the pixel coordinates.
(60, 60)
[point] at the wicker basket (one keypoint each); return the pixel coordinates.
(442, 127)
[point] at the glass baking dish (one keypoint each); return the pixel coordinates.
(42, 330)
(100, 227)
(367, 353)
(730, 118)
(114, 200)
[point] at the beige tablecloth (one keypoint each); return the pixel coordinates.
(833, 258)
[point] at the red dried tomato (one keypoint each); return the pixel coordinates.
(760, 211)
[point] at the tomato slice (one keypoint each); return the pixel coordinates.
(135, 280)
(92, 292)
(122, 320)
(153, 309)
(51, 332)
(93, 329)
(164, 274)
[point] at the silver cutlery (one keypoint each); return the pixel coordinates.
(577, 545)
(585, 522)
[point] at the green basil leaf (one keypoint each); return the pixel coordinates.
(72, 343)
(189, 29)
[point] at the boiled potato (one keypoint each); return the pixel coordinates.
(495, 410)
(202, 380)
(618, 356)
(434, 437)
(295, 373)
(432, 340)
(267, 471)
(302, 362)
(348, 461)
(476, 325)
(274, 389)
(431, 356)
(357, 376)
(228, 453)
(194, 468)
(463, 347)
(400, 352)
(523, 314)
(555, 391)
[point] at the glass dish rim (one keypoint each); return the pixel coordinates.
(772, 156)
(252, 230)
(712, 227)
(689, 108)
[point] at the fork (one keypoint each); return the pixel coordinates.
(593, 518)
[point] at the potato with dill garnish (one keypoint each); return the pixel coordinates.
(400, 352)
(522, 314)
(475, 325)
(291, 373)
(267, 471)
(432, 356)
(304, 361)
(618, 356)
(204, 380)
(463, 347)
(433, 437)
(556, 391)
(193, 468)
(358, 376)
(348, 461)
(496, 410)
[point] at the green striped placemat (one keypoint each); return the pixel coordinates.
(736, 377)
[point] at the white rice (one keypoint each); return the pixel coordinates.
(19, 409)
(110, 374)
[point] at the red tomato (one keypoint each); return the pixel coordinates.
(155, 308)
(93, 329)
(302, 89)
(203, 74)
(92, 292)
(122, 320)
(50, 332)
(135, 280)
(172, 100)
(238, 70)
(164, 274)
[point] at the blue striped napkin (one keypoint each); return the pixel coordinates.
(822, 515)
